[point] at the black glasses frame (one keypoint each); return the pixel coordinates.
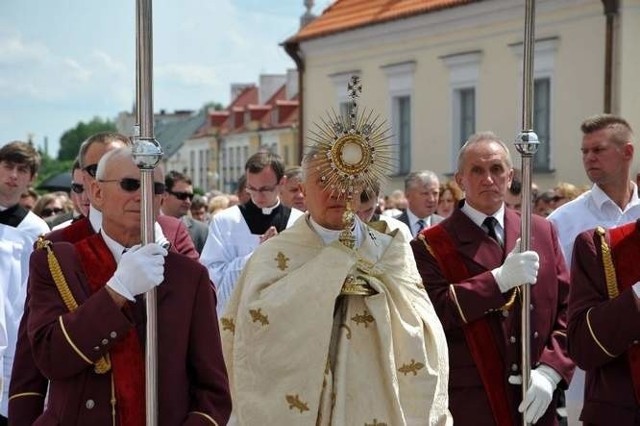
(91, 170)
(181, 195)
(132, 185)
(78, 188)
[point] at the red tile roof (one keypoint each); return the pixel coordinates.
(345, 15)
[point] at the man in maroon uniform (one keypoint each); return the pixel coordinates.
(471, 266)
(28, 386)
(90, 317)
(604, 323)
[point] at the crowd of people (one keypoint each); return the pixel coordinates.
(289, 303)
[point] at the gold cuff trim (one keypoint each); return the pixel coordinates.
(593, 335)
(455, 300)
(562, 333)
(75, 348)
(20, 395)
(206, 416)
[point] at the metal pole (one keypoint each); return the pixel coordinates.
(147, 153)
(527, 145)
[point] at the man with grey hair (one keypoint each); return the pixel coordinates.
(472, 267)
(422, 190)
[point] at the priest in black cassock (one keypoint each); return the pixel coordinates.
(235, 232)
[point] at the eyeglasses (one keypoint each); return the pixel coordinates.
(91, 169)
(46, 212)
(78, 188)
(181, 195)
(132, 185)
(263, 190)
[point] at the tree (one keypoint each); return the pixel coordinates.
(72, 139)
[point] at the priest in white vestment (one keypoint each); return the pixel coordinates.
(318, 333)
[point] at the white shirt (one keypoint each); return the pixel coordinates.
(415, 226)
(478, 218)
(591, 209)
(229, 245)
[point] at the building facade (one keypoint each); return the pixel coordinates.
(441, 70)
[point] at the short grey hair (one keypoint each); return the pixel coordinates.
(423, 177)
(482, 137)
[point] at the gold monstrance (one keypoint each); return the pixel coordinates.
(353, 153)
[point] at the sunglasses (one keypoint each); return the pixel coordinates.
(91, 169)
(77, 188)
(132, 185)
(181, 195)
(46, 212)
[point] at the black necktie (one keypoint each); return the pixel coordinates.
(490, 224)
(420, 223)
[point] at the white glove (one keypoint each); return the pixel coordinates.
(140, 269)
(518, 268)
(540, 393)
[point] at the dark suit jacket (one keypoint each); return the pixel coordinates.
(479, 296)
(192, 378)
(404, 217)
(198, 232)
(28, 386)
(602, 330)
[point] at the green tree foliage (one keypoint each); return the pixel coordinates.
(72, 139)
(50, 167)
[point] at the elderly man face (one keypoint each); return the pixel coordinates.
(484, 175)
(422, 197)
(325, 207)
(117, 194)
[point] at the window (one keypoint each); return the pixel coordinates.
(541, 122)
(400, 81)
(340, 85)
(402, 130)
(464, 114)
(464, 71)
(544, 67)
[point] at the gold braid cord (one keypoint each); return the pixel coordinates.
(607, 262)
(102, 365)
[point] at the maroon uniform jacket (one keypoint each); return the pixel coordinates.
(479, 297)
(604, 331)
(192, 379)
(28, 386)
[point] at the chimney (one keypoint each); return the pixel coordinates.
(308, 16)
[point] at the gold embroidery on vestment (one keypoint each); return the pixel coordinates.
(258, 316)
(345, 326)
(295, 402)
(363, 318)
(412, 367)
(282, 260)
(228, 324)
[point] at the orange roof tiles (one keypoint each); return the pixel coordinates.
(345, 15)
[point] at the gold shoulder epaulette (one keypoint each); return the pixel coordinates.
(607, 263)
(102, 365)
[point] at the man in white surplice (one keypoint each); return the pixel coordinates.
(235, 232)
(317, 333)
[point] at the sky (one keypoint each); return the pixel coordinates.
(67, 61)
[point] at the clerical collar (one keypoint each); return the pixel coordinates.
(267, 210)
(478, 217)
(330, 235)
(13, 215)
